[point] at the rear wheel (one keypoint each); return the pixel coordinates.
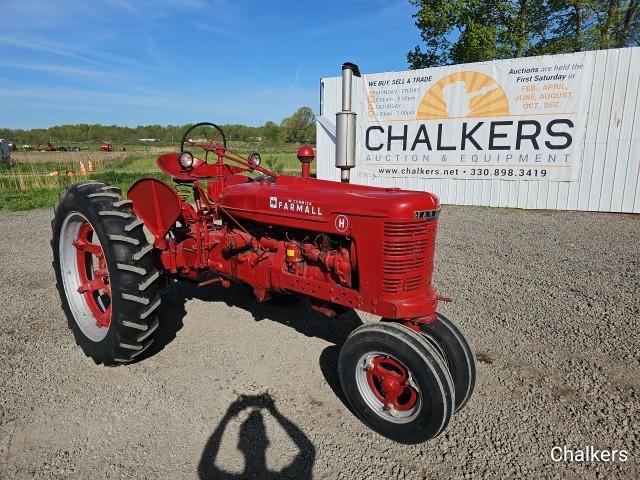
(396, 382)
(105, 273)
(458, 354)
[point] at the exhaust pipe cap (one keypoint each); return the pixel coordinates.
(353, 67)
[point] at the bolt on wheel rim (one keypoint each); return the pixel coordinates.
(387, 387)
(85, 276)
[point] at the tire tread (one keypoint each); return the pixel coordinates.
(134, 310)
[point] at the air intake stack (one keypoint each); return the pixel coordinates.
(346, 125)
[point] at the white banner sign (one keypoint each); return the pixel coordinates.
(522, 119)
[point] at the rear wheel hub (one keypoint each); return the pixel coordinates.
(85, 276)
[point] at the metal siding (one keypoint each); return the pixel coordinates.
(627, 172)
(610, 159)
(588, 156)
(602, 132)
(621, 112)
(486, 192)
(563, 196)
(613, 136)
(541, 198)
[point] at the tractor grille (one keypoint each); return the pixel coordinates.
(407, 255)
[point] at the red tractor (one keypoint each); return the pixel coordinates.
(343, 246)
(106, 147)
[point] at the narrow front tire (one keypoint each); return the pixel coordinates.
(458, 354)
(396, 382)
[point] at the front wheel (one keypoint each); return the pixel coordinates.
(105, 273)
(396, 382)
(457, 351)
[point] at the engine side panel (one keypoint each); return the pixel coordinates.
(393, 233)
(320, 205)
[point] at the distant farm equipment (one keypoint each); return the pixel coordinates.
(49, 147)
(5, 152)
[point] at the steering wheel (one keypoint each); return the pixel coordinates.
(209, 146)
(191, 167)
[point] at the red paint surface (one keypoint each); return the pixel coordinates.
(383, 263)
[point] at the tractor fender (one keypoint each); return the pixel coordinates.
(157, 204)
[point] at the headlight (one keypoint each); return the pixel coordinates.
(255, 159)
(186, 160)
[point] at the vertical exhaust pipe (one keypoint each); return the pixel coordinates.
(346, 125)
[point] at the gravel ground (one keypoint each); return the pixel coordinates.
(550, 299)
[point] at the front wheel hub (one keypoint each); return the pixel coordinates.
(387, 386)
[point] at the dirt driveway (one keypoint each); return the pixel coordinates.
(236, 389)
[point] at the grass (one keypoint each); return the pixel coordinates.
(42, 192)
(140, 164)
(29, 184)
(69, 157)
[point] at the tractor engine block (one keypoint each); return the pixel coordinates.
(257, 255)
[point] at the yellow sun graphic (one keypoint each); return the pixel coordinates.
(464, 94)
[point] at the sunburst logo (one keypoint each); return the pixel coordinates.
(464, 94)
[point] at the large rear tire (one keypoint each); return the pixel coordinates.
(105, 273)
(396, 382)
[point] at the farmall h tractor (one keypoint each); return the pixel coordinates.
(343, 246)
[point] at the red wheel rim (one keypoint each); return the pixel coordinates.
(389, 381)
(93, 275)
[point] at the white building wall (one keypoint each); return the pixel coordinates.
(610, 171)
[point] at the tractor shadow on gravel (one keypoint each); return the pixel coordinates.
(253, 442)
(288, 310)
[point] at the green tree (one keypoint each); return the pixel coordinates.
(270, 132)
(462, 31)
(299, 127)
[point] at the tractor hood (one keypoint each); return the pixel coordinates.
(286, 198)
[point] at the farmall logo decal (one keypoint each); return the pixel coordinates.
(295, 206)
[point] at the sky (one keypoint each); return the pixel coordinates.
(138, 62)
